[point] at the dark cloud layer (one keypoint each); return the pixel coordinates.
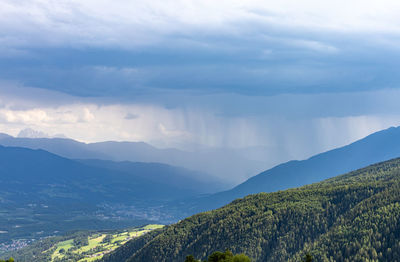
(305, 76)
(261, 61)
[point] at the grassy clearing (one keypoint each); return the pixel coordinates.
(98, 245)
(66, 245)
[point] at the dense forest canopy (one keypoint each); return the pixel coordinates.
(353, 217)
(218, 256)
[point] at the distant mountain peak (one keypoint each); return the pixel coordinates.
(31, 133)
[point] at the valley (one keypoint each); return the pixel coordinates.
(199, 131)
(51, 195)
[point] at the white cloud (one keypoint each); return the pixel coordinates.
(25, 117)
(135, 23)
(295, 126)
(298, 125)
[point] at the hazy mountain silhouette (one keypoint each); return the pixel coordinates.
(216, 162)
(171, 176)
(377, 147)
(45, 192)
(60, 146)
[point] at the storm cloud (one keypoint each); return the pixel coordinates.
(297, 77)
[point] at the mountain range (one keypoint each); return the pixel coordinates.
(377, 147)
(353, 217)
(43, 192)
(216, 162)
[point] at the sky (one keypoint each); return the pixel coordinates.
(299, 77)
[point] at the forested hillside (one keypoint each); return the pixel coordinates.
(353, 217)
(377, 147)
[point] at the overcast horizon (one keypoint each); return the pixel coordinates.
(299, 78)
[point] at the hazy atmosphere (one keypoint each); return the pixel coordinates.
(297, 77)
(122, 122)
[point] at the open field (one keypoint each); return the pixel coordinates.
(81, 246)
(97, 245)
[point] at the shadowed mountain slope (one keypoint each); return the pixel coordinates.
(217, 163)
(171, 176)
(380, 146)
(42, 192)
(353, 217)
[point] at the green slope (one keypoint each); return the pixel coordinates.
(81, 246)
(380, 146)
(354, 217)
